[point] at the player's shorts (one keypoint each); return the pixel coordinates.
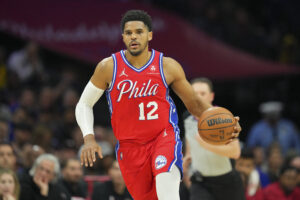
(140, 163)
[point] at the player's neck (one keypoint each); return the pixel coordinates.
(140, 60)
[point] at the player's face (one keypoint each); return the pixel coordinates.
(203, 91)
(136, 37)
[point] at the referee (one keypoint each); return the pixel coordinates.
(212, 175)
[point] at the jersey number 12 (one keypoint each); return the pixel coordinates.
(150, 114)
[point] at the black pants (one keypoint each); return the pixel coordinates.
(225, 187)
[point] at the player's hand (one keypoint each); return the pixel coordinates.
(89, 149)
(237, 128)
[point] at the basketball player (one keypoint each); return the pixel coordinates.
(213, 177)
(143, 115)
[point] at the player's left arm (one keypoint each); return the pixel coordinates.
(175, 78)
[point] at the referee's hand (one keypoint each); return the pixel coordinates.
(89, 149)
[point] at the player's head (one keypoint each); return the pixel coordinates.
(136, 28)
(203, 88)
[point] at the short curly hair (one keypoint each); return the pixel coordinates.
(136, 15)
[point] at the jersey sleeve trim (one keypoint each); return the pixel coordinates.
(114, 73)
(162, 69)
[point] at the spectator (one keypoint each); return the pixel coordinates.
(272, 128)
(259, 160)
(26, 63)
(76, 137)
(114, 189)
(47, 98)
(22, 136)
(29, 154)
(295, 162)
(42, 136)
(274, 162)
(4, 130)
(9, 185)
(41, 184)
(285, 188)
(250, 176)
(28, 101)
(8, 158)
(72, 174)
(5, 112)
(70, 98)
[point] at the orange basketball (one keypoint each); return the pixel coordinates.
(216, 125)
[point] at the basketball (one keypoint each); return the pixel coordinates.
(216, 125)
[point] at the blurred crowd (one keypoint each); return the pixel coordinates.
(39, 138)
(267, 28)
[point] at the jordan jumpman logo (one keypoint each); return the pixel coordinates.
(123, 73)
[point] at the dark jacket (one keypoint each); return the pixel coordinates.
(105, 191)
(74, 189)
(30, 191)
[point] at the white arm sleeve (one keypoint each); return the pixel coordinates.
(84, 108)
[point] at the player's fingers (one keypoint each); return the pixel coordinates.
(94, 155)
(81, 158)
(85, 159)
(89, 154)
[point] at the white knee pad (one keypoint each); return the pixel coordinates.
(167, 184)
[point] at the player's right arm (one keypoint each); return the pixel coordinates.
(84, 109)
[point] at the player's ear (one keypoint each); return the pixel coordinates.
(150, 35)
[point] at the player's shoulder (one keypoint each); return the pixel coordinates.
(170, 65)
(105, 64)
(172, 69)
(168, 61)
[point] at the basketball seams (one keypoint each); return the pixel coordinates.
(216, 128)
